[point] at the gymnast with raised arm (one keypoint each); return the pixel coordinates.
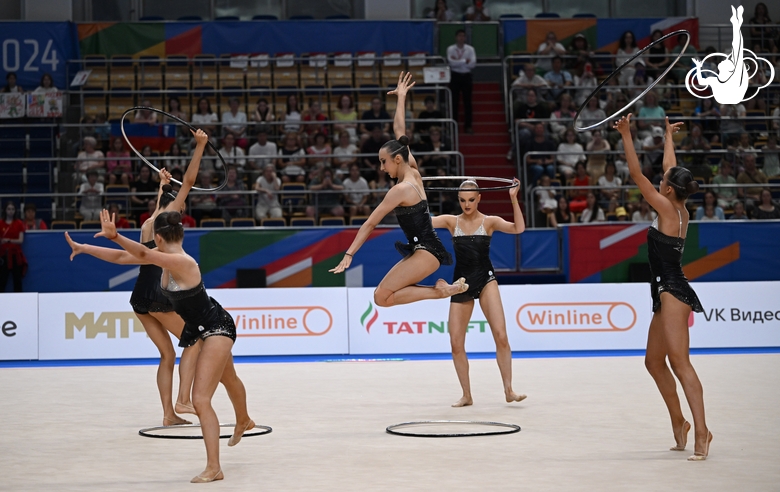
(673, 298)
(424, 253)
(472, 261)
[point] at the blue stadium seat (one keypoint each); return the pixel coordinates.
(301, 17)
(265, 17)
(511, 16)
(547, 15)
(229, 18)
(301, 222)
(332, 221)
(39, 176)
(338, 17)
(63, 225)
(212, 223)
(190, 18)
(242, 222)
(280, 222)
(583, 16)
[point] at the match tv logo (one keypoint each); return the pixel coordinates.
(735, 71)
(568, 317)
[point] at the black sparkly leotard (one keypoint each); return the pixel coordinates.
(203, 316)
(415, 221)
(665, 255)
(472, 261)
(147, 297)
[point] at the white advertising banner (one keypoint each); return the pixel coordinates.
(293, 321)
(18, 326)
(92, 325)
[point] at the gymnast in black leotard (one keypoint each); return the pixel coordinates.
(673, 298)
(424, 252)
(472, 261)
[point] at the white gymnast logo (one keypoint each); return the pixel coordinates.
(731, 82)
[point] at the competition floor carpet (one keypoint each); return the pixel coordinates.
(588, 424)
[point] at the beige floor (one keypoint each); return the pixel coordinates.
(589, 424)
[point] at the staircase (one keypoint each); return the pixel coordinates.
(485, 151)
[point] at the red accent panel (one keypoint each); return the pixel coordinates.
(188, 43)
(586, 258)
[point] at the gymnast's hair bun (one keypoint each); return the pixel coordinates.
(692, 187)
(403, 140)
(174, 218)
(167, 188)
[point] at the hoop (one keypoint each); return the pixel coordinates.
(159, 111)
(626, 63)
(512, 428)
(511, 182)
(259, 430)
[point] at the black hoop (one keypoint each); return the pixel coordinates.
(624, 65)
(259, 430)
(159, 111)
(511, 428)
(511, 182)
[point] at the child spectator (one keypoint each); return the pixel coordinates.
(710, 203)
(31, 222)
(739, 212)
(46, 85)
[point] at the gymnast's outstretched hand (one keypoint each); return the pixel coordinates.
(404, 84)
(343, 265)
(108, 228)
(165, 177)
(623, 125)
(76, 248)
(672, 128)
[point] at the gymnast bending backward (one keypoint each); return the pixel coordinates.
(472, 261)
(424, 253)
(673, 298)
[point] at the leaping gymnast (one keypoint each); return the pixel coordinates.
(424, 253)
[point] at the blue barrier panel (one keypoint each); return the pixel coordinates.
(539, 250)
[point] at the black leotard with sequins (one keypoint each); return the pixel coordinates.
(203, 316)
(472, 261)
(147, 296)
(415, 221)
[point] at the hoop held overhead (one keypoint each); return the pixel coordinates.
(511, 428)
(624, 65)
(259, 430)
(159, 111)
(511, 182)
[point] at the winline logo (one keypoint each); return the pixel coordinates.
(371, 315)
(576, 316)
(281, 321)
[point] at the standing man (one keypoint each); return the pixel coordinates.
(462, 59)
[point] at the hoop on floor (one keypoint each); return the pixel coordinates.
(511, 182)
(511, 428)
(159, 111)
(624, 65)
(171, 431)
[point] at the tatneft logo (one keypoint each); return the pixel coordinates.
(370, 316)
(281, 321)
(576, 316)
(731, 81)
(108, 323)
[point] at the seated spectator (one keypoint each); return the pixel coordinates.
(658, 58)
(591, 115)
(592, 212)
(639, 82)
(547, 51)
(541, 163)
(346, 117)
(144, 184)
(557, 78)
(709, 213)
(739, 212)
(380, 187)
(751, 176)
(577, 198)
(610, 184)
(89, 159)
(597, 162)
(586, 82)
(292, 115)
(441, 13)
(653, 145)
(766, 209)
(645, 213)
(144, 115)
(267, 187)
(477, 12)
(697, 163)
(570, 153)
(235, 204)
(151, 207)
(709, 119)
(727, 196)
(210, 159)
(234, 123)
(621, 214)
(744, 145)
(546, 200)
(312, 122)
(527, 79)
(174, 108)
(320, 148)
(11, 86)
(771, 153)
(347, 150)
(371, 146)
(119, 169)
(775, 127)
(204, 204)
(46, 85)
(621, 163)
(376, 113)
(149, 155)
(650, 115)
(732, 122)
(120, 221)
(579, 53)
(436, 160)
(532, 109)
(633, 195)
(91, 194)
(562, 213)
(262, 152)
(763, 31)
(626, 49)
(710, 203)
(204, 118)
(429, 113)
(327, 203)
(262, 115)
(176, 158)
(291, 163)
(187, 221)
(233, 154)
(562, 118)
(31, 222)
(356, 192)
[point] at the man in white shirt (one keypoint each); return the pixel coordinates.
(232, 154)
(549, 49)
(462, 59)
(357, 191)
(267, 187)
(528, 79)
(234, 122)
(261, 152)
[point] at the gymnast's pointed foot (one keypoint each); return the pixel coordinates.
(447, 290)
(702, 448)
(681, 438)
(208, 476)
(238, 433)
(511, 396)
(185, 408)
(464, 402)
(174, 420)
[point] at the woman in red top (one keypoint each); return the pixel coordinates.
(577, 203)
(12, 259)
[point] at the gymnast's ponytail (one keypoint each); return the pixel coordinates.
(398, 147)
(168, 225)
(682, 182)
